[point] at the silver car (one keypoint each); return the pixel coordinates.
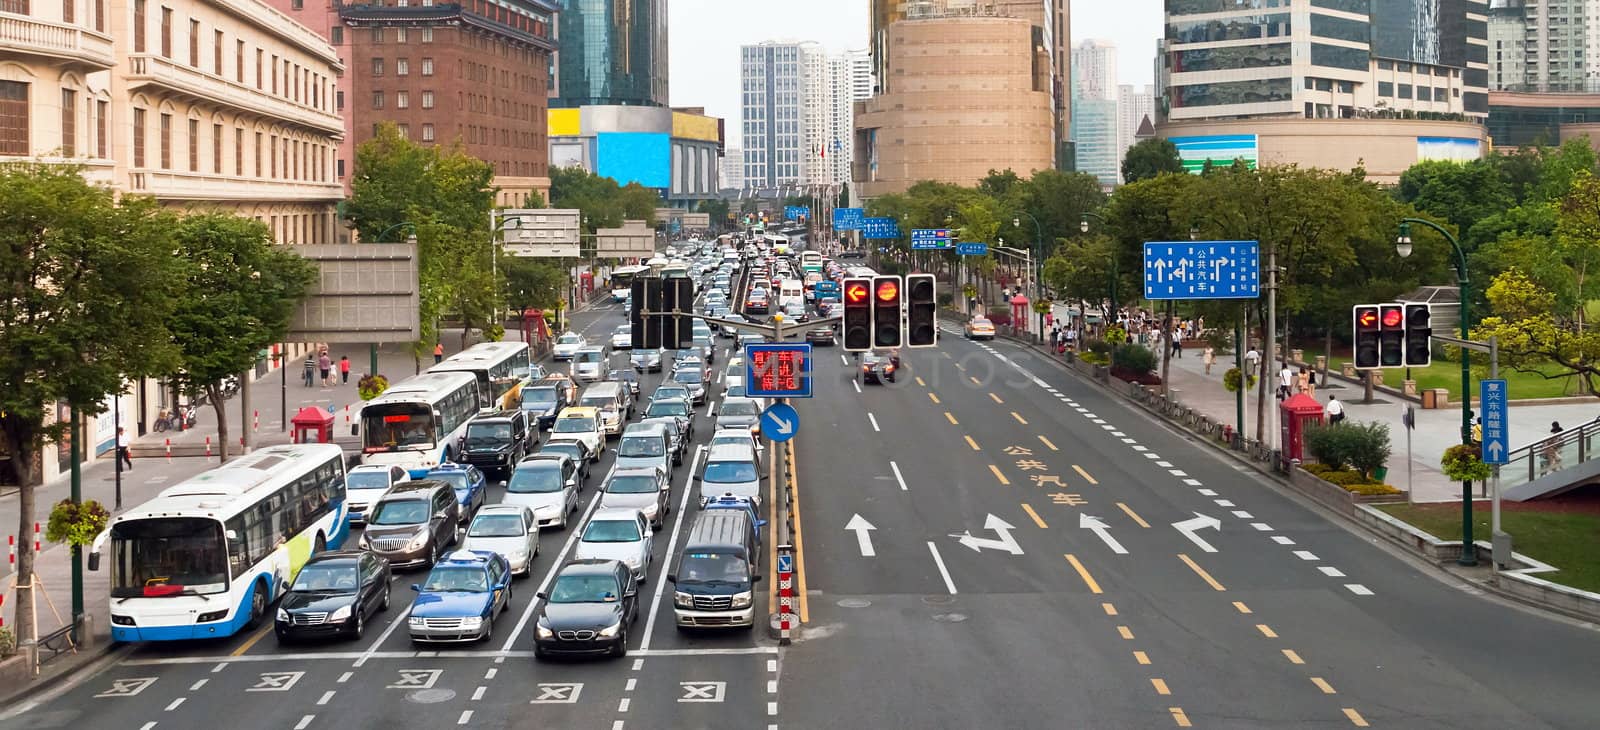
(508, 529)
(739, 413)
(589, 364)
(647, 360)
(619, 534)
(643, 489)
(546, 484)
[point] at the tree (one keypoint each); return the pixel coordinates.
(532, 283)
(717, 210)
(237, 294)
(604, 203)
(88, 294)
(1462, 193)
(1150, 158)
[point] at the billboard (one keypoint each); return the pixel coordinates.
(365, 292)
(1454, 149)
(1220, 149)
(641, 157)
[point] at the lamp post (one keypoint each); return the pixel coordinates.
(372, 352)
(1403, 246)
(1083, 227)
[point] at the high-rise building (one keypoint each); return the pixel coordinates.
(732, 169)
(613, 52)
(1134, 105)
(1544, 45)
(1095, 138)
(797, 112)
(861, 83)
(1094, 70)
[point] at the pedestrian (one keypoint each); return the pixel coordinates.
(1477, 431)
(1555, 427)
(1550, 454)
(1303, 382)
(325, 366)
(438, 353)
(1285, 382)
(344, 368)
(1210, 358)
(311, 369)
(1335, 410)
(1177, 342)
(1252, 362)
(123, 456)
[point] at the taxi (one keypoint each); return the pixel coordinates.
(979, 328)
(583, 424)
(461, 598)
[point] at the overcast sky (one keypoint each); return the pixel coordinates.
(705, 36)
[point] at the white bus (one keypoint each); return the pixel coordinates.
(622, 281)
(811, 261)
(417, 422)
(206, 556)
(499, 366)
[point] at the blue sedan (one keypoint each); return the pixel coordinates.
(469, 483)
(463, 595)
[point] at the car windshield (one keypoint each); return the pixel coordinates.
(489, 432)
(612, 531)
(463, 579)
(738, 439)
(730, 472)
(571, 424)
(624, 330)
(739, 407)
(689, 377)
(712, 568)
(456, 479)
(497, 526)
(632, 484)
(542, 396)
(332, 577)
(640, 446)
(584, 589)
(537, 479)
(667, 408)
(570, 449)
(400, 512)
(702, 341)
(568, 339)
(590, 356)
(670, 391)
(597, 402)
(367, 480)
(646, 354)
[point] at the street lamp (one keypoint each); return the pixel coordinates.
(509, 223)
(1083, 226)
(1403, 246)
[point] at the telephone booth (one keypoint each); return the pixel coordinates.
(312, 423)
(1297, 414)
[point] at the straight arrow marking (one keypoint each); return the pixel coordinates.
(1102, 531)
(863, 530)
(1198, 522)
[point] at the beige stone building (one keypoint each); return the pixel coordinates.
(1385, 148)
(961, 95)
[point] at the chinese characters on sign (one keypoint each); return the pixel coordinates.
(778, 370)
(1492, 397)
(1202, 270)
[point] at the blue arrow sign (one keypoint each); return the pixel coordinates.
(972, 249)
(927, 239)
(777, 370)
(785, 563)
(847, 219)
(1202, 270)
(780, 422)
(796, 212)
(881, 227)
(1492, 401)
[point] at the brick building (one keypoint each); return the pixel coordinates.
(477, 71)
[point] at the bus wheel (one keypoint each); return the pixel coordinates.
(258, 605)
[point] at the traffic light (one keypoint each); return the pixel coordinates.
(1365, 317)
(677, 332)
(857, 315)
(1419, 333)
(646, 297)
(886, 312)
(922, 311)
(1392, 335)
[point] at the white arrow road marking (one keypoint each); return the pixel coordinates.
(1102, 531)
(1004, 542)
(863, 530)
(1199, 522)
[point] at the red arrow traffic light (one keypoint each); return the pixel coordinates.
(855, 293)
(1367, 317)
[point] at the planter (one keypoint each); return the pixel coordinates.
(1381, 475)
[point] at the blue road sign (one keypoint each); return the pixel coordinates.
(777, 370)
(927, 239)
(847, 219)
(1492, 400)
(972, 249)
(1202, 270)
(880, 228)
(796, 212)
(785, 563)
(780, 422)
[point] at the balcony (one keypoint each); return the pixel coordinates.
(174, 185)
(150, 70)
(56, 41)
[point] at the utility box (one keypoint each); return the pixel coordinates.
(1299, 413)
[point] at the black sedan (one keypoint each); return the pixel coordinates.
(820, 336)
(334, 595)
(588, 610)
(877, 368)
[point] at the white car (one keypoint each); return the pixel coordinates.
(546, 484)
(620, 534)
(590, 364)
(577, 423)
(622, 337)
(508, 529)
(366, 484)
(567, 345)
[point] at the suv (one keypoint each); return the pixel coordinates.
(714, 584)
(412, 523)
(495, 442)
(544, 399)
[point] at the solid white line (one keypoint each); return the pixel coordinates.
(672, 545)
(484, 654)
(939, 561)
(622, 704)
(896, 469)
(874, 420)
(857, 384)
(305, 722)
(575, 529)
(327, 697)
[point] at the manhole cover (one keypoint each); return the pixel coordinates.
(950, 618)
(431, 696)
(938, 600)
(854, 603)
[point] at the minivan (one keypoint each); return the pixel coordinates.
(714, 584)
(645, 445)
(613, 400)
(731, 469)
(589, 364)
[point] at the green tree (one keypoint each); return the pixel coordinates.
(532, 283)
(237, 293)
(1461, 193)
(89, 294)
(717, 210)
(998, 184)
(1057, 200)
(604, 203)
(1150, 158)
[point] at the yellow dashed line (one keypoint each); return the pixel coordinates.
(1293, 657)
(1323, 685)
(1201, 572)
(1019, 418)
(996, 399)
(933, 398)
(1136, 518)
(972, 443)
(1141, 657)
(1178, 716)
(974, 380)
(919, 381)
(1109, 609)
(1266, 631)
(997, 475)
(1035, 515)
(1047, 443)
(1355, 717)
(951, 417)
(1081, 472)
(1084, 574)
(1160, 685)
(1242, 608)
(1126, 632)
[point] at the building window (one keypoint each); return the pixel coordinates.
(216, 148)
(102, 110)
(238, 61)
(138, 138)
(337, 35)
(1386, 88)
(166, 141)
(259, 53)
(166, 32)
(427, 100)
(69, 123)
(256, 170)
(377, 67)
(194, 43)
(194, 145)
(427, 35)
(338, 168)
(402, 100)
(377, 100)
(427, 67)
(138, 26)
(377, 36)
(69, 11)
(402, 67)
(13, 118)
(400, 34)
(298, 5)
(404, 130)
(238, 151)
(99, 15)
(427, 132)
(216, 52)
(338, 100)
(1405, 91)
(274, 73)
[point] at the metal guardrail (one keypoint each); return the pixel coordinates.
(54, 644)
(1204, 426)
(1559, 451)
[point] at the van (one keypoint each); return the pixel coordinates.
(791, 291)
(731, 469)
(645, 445)
(589, 364)
(613, 400)
(714, 584)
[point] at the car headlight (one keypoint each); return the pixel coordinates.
(611, 630)
(415, 622)
(340, 614)
(682, 600)
(632, 562)
(741, 600)
(364, 543)
(283, 615)
(518, 555)
(417, 542)
(544, 632)
(472, 622)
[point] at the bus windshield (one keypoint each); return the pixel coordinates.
(168, 556)
(394, 426)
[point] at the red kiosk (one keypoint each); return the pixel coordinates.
(1019, 313)
(312, 418)
(1298, 413)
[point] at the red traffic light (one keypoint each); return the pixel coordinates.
(888, 290)
(1367, 317)
(1392, 317)
(855, 293)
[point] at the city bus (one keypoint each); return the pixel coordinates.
(499, 366)
(622, 281)
(811, 261)
(417, 422)
(207, 555)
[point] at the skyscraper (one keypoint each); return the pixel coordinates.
(796, 118)
(1094, 70)
(1537, 45)
(1134, 105)
(612, 52)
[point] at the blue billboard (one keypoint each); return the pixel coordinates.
(641, 157)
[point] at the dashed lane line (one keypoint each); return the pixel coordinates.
(943, 571)
(1047, 443)
(1086, 477)
(897, 477)
(1035, 515)
(997, 475)
(1201, 572)
(1132, 515)
(1083, 573)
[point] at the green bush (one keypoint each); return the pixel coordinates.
(1315, 467)
(1462, 464)
(8, 642)
(371, 386)
(1371, 446)
(1100, 347)
(1370, 489)
(1116, 335)
(1134, 359)
(946, 299)
(1364, 446)
(1094, 358)
(1343, 478)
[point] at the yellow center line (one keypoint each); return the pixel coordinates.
(1003, 480)
(1035, 515)
(1160, 685)
(1178, 716)
(946, 355)
(799, 536)
(996, 399)
(1323, 685)
(972, 443)
(252, 641)
(1081, 472)
(959, 366)
(1355, 717)
(1109, 609)
(974, 380)
(1242, 608)
(1136, 518)
(1126, 632)
(951, 417)
(1084, 574)
(1141, 657)
(1047, 443)
(1293, 657)
(1267, 631)
(1019, 418)
(1201, 572)
(933, 398)
(919, 381)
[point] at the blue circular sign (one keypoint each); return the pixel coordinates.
(780, 422)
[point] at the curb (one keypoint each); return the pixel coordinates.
(88, 662)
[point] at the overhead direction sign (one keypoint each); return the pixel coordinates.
(928, 239)
(847, 219)
(1202, 270)
(780, 422)
(881, 227)
(778, 370)
(796, 212)
(972, 249)
(1493, 399)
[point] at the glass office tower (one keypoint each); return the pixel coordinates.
(611, 52)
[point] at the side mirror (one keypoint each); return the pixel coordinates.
(94, 561)
(542, 594)
(416, 587)
(672, 577)
(353, 430)
(761, 523)
(461, 533)
(755, 578)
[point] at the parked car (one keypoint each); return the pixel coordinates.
(619, 534)
(470, 486)
(587, 610)
(547, 484)
(461, 598)
(333, 595)
(365, 484)
(413, 523)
